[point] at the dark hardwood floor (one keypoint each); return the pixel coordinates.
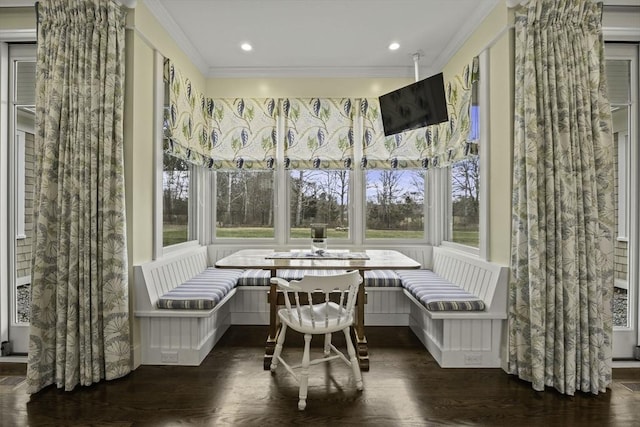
(405, 387)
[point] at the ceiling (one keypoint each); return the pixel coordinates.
(319, 38)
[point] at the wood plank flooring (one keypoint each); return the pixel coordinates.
(405, 387)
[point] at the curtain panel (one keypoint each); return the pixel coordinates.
(560, 321)
(79, 326)
(432, 146)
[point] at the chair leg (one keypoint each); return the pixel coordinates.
(353, 359)
(278, 349)
(327, 344)
(304, 373)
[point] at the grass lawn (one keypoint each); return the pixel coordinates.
(303, 233)
(173, 234)
(468, 237)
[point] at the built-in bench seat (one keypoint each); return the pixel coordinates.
(181, 336)
(437, 293)
(457, 309)
(372, 278)
(201, 292)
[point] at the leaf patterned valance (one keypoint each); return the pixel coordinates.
(218, 133)
(318, 133)
(243, 133)
(186, 119)
(432, 146)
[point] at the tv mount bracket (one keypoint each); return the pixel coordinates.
(416, 57)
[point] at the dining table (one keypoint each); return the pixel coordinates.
(299, 259)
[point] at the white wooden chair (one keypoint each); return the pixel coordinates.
(324, 317)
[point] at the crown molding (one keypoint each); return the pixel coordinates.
(318, 72)
(461, 37)
(170, 25)
(172, 28)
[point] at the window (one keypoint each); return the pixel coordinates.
(464, 214)
(319, 196)
(176, 177)
(465, 203)
(386, 199)
(395, 204)
(244, 204)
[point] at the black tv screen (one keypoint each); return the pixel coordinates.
(419, 104)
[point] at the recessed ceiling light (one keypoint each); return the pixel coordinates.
(246, 47)
(394, 46)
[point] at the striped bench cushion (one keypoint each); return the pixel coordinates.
(437, 293)
(382, 279)
(201, 292)
(374, 278)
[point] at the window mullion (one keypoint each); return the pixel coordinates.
(282, 184)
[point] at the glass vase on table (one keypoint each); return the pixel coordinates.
(318, 238)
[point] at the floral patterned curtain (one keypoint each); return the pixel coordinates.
(432, 146)
(560, 323)
(318, 133)
(218, 133)
(79, 329)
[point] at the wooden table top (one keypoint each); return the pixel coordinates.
(379, 259)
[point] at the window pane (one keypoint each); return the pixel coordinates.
(319, 196)
(25, 92)
(395, 204)
(175, 208)
(465, 218)
(244, 204)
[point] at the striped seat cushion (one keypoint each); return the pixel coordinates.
(254, 278)
(375, 278)
(437, 293)
(382, 279)
(263, 277)
(201, 292)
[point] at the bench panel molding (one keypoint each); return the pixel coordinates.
(464, 339)
(455, 339)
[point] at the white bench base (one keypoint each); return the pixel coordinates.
(457, 343)
(454, 339)
(182, 337)
(385, 306)
(464, 339)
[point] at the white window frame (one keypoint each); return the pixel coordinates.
(623, 187)
(436, 194)
(20, 184)
(209, 219)
(296, 241)
(482, 251)
(159, 250)
(397, 242)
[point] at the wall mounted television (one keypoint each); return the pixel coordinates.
(419, 104)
